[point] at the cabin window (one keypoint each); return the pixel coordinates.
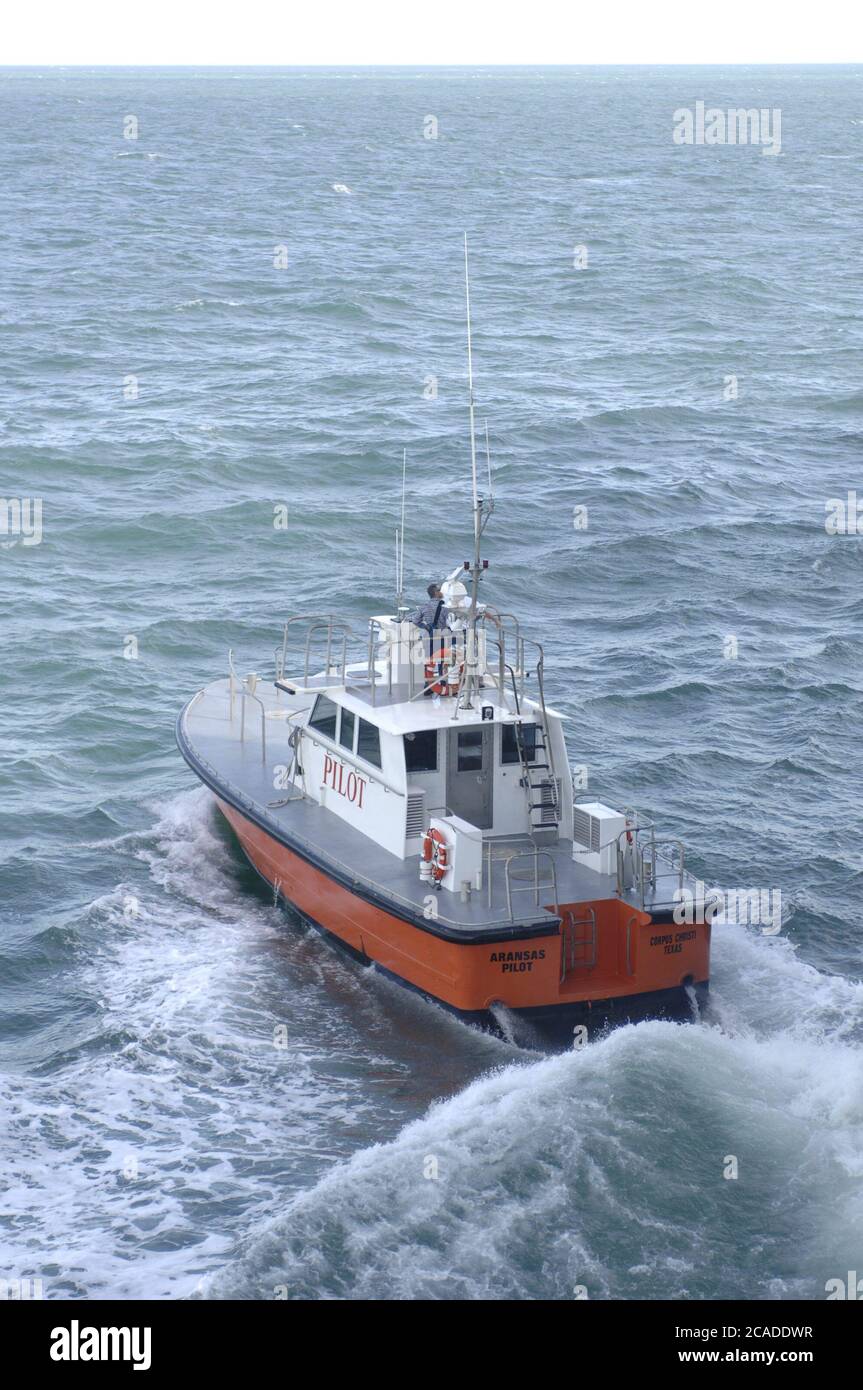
(509, 752)
(369, 743)
(421, 751)
(324, 717)
(346, 731)
(470, 750)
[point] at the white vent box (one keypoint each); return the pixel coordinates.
(595, 835)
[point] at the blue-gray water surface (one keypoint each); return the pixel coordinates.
(257, 303)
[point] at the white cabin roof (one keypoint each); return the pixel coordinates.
(403, 715)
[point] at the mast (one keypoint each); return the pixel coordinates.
(471, 684)
(470, 392)
(400, 542)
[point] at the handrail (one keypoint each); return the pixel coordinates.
(294, 741)
(328, 626)
(522, 753)
(384, 640)
(537, 881)
(500, 620)
(245, 694)
(372, 669)
(632, 832)
(296, 618)
(488, 847)
(317, 619)
(645, 856)
(232, 676)
(500, 678)
(656, 853)
(525, 766)
(633, 922)
(540, 671)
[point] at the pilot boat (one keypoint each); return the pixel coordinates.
(410, 795)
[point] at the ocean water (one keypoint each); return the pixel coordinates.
(164, 388)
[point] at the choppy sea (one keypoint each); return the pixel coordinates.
(226, 293)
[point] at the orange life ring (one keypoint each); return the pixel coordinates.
(436, 853)
(437, 684)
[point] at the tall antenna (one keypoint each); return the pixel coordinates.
(472, 683)
(470, 385)
(490, 503)
(400, 540)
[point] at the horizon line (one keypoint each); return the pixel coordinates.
(295, 67)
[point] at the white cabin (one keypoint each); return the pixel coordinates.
(390, 758)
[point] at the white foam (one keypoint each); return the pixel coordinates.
(177, 1071)
(601, 1167)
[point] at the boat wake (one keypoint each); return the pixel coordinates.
(628, 1169)
(171, 1150)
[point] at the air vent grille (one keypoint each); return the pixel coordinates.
(585, 829)
(415, 823)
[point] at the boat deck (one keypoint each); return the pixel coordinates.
(230, 759)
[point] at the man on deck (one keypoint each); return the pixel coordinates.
(433, 614)
(432, 618)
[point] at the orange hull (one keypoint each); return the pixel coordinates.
(638, 960)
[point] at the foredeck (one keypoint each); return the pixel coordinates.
(231, 759)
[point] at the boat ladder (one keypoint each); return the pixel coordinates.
(538, 777)
(543, 788)
(577, 942)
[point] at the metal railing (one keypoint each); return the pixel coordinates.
(504, 845)
(528, 781)
(500, 621)
(295, 739)
(245, 694)
(536, 884)
(336, 632)
(331, 634)
(640, 860)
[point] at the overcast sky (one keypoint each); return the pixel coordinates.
(431, 31)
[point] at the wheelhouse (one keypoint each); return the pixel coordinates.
(379, 747)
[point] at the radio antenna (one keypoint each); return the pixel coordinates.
(400, 540)
(471, 683)
(470, 390)
(490, 504)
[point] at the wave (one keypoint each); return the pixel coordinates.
(556, 1176)
(162, 1120)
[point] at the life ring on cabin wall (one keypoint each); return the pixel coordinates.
(436, 853)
